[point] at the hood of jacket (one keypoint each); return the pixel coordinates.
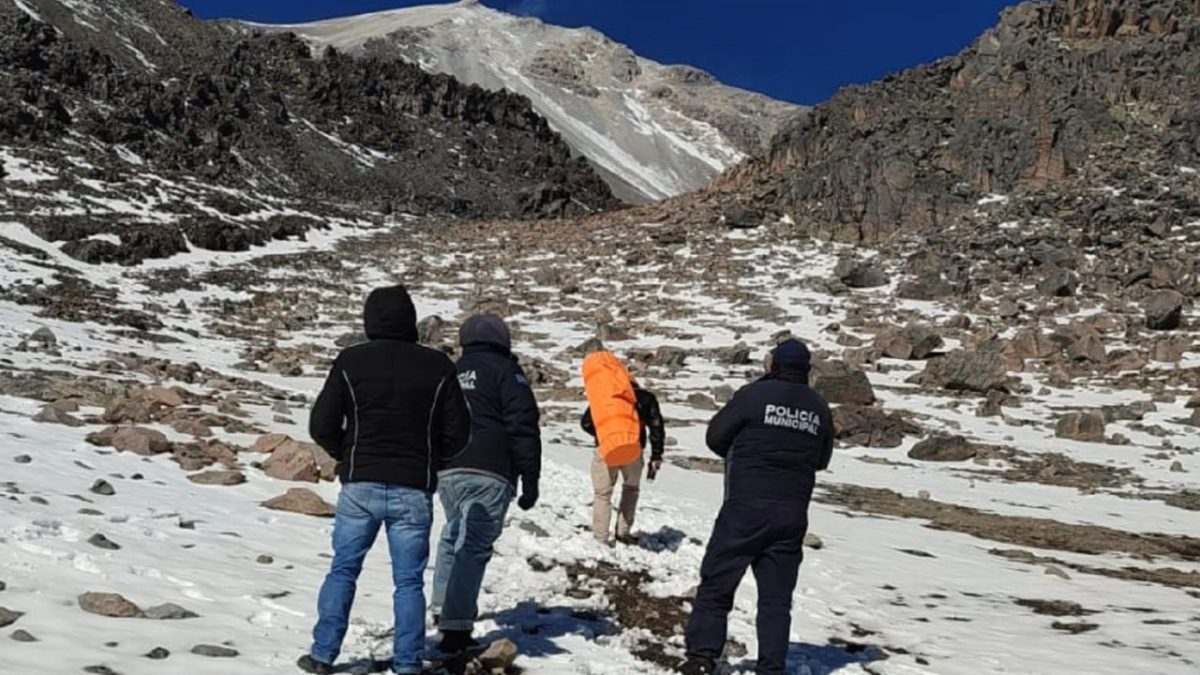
(390, 315)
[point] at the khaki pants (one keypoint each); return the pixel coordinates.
(604, 480)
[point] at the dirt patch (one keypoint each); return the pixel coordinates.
(1054, 607)
(1164, 576)
(1019, 530)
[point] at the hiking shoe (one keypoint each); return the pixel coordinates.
(698, 666)
(456, 642)
(310, 665)
(627, 540)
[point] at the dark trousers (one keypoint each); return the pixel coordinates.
(768, 538)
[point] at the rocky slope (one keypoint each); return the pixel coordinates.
(654, 131)
(137, 90)
(1070, 94)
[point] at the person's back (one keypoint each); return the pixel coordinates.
(775, 434)
(392, 414)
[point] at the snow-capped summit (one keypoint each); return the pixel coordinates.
(654, 131)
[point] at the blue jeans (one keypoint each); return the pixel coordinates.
(475, 505)
(407, 514)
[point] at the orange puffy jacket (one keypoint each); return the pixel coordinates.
(614, 408)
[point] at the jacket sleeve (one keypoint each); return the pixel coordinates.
(521, 421)
(827, 435)
(327, 422)
(654, 424)
(586, 422)
(451, 427)
(725, 426)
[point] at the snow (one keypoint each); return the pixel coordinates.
(956, 609)
(24, 7)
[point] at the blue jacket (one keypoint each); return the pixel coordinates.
(505, 437)
(775, 435)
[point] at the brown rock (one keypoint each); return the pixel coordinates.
(303, 501)
(192, 427)
(501, 655)
(140, 441)
(266, 444)
(840, 383)
(218, 478)
(109, 604)
(1164, 310)
(126, 411)
(1085, 426)
(162, 396)
(914, 342)
(293, 461)
(50, 414)
(943, 449)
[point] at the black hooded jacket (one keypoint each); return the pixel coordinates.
(775, 435)
(650, 417)
(391, 410)
(505, 438)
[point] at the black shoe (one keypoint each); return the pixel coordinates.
(310, 665)
(627, 540)
(456, 642)
(698, 666)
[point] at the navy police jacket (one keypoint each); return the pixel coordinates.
(505, 439)
(775, 435)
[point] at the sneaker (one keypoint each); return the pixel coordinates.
(456, 642)
(698, 666)
(310, 665)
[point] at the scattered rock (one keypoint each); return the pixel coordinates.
(218, 478)
(23, 636)
(857, 274)
(943, 449)
(303, 501)
(267, 443)
(1164, 310)
(1054, 607)
(22, 459)
(158, 654)
(813, 541)
(869, 427)
(162, 396)
(1074, 628)
(103, 488)
(100, 541)
(214, 651)
(841, 383)
(701, 401)
(42, 338)
(914, 342)
(264, 560)
(961, 370)
(431, 330)
(169, 612)
(293, 461)
(51, 414)
(499, 656)
(8, 617)
(111, 605)
(1085, 426)
(140, 441)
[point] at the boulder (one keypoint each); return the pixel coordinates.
(1170, 349)
(1164, 310)
(1057, 282)
(841, 383)
(1088, 347)
(737, 355)
(42, 338)
(8, 617)
(740, 217)
(126, 411)
(162, 396)
(140, 441)
(293, 461)
(1086, 426)
(214, 651)
(268, 442)
(943, 449)
(303, 501)
(867, 426)
(111, 605)
(51, 414)
(927, 287)
(961, 370)
(913, 342)
(856, 274)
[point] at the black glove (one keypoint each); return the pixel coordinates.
(654, 467)
(529, 494)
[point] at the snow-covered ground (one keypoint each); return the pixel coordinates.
(885, 595)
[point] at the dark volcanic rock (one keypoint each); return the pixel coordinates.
(943, 449)
(960, 370)
(1164, 310)
(869, 427)
(841, 383)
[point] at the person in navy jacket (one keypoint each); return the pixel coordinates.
(775, 435)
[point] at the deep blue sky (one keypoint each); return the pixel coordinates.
(796, 50)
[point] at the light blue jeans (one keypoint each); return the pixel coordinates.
(475, 506)
(407, 514)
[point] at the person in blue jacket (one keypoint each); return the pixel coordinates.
(477, 486)
(775, 435)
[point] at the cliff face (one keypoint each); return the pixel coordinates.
(1047, 94)
(144, 79)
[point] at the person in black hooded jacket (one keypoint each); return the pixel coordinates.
(477, 486)
(775, 435)
(392, 414)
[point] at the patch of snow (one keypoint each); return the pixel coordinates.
(21, 5)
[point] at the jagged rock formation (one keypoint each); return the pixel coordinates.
(654, 131)
(127, 88)
(1093, 91)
